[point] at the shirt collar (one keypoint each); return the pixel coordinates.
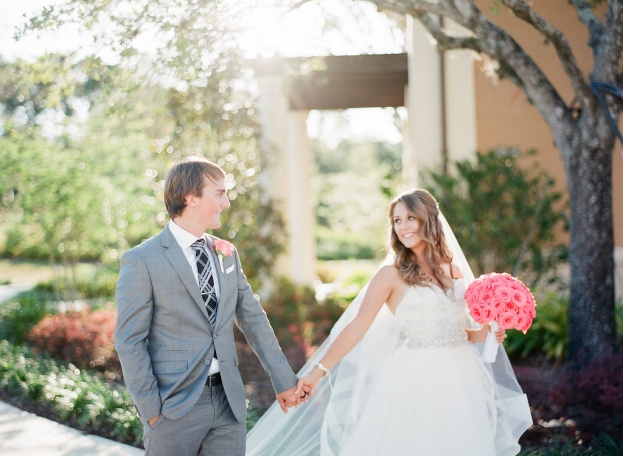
(183, 237)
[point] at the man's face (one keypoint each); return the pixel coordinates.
(207, 208)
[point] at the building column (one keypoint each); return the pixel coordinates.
(300, 215)
(288, 177)
(424, 105)
(460, 99)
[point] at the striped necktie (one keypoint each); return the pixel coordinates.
(206, 278)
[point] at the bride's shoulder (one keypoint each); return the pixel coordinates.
(455, 271)
(388, 273)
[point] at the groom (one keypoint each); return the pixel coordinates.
(177, 297)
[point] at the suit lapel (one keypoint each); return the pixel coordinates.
(178, 260)
(223, 281)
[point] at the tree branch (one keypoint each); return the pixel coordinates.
(447, 43)
(412, 7)
(523, 11)
(444, 41)
(608, 55)
(514, 61)
(607, 71)
(588, 18)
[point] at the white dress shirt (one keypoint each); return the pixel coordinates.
(185, 241)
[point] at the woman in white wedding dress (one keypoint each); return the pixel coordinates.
(404, 374)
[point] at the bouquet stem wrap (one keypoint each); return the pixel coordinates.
(490, 351)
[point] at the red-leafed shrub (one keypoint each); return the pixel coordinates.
(594, 397)
(575, 407)
(84, 338)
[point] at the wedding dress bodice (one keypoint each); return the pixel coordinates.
(432, 318)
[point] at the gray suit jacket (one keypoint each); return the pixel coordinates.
(165, 340)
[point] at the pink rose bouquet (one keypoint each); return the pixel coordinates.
(502, 300)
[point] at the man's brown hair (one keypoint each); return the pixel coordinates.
(186, 178)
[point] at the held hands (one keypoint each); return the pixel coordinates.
(303, 390)
(308, 383)
(293, 397)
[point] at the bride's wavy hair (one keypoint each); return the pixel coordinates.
(423, 206)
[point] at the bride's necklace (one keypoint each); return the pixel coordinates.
(425, 278)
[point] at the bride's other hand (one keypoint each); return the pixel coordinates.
(500, 335)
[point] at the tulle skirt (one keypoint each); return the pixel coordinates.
(430, 402)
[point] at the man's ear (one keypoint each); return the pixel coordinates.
(190, 199)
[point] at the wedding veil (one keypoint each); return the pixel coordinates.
(326, 421)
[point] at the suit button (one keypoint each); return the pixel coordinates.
(207, 363)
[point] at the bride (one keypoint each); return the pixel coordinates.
(401, 372)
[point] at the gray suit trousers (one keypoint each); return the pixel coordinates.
(210, 428)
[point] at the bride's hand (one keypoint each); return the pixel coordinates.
(303, 391)
(305, 385)
(478, 335)
(308, 383)
(500, 335)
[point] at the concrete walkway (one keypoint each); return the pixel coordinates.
(9, 291)
(26, 434)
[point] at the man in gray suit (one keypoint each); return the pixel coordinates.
(177, 297)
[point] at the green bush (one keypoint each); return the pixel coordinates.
(72, 395)
(19, 315)
(99, 282)
(548, 333)
(102, 284)
(335, 245)
(506, 218)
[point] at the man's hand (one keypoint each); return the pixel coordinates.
(288, 399)
(293, 397)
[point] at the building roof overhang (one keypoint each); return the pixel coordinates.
(341, 82)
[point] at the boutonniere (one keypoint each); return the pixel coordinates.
(223, 248)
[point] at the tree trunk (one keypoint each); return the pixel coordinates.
(592, 329)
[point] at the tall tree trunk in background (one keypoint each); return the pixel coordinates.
(592, 332)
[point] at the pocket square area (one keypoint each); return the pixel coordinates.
(229, 269)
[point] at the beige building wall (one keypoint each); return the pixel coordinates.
(505, 117)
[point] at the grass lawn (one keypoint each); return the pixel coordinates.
(19, 272)
(30, 272)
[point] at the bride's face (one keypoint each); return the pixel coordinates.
(407, 227)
